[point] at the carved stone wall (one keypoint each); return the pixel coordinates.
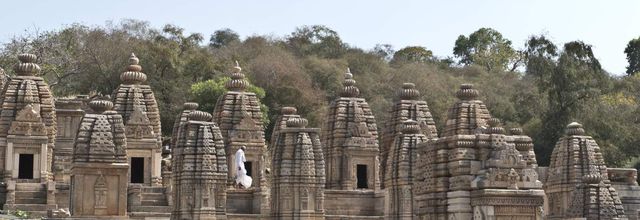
(200, 170)
(298, 172)
(69, 113)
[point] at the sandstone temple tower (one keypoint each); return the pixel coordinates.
(475, 170)
(351, 141)
(407, 105)
(402, 168)
(298, 172)
(27, 137)
(137, 105)
(579, 187)
(99, 169)
(200, 170)
(238, 115)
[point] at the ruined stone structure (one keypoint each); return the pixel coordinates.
(69, 112)
(402, 167)
(99, 169)
(624, 180)
(475, 170)
(107, 161)
(407, 105)
(580, 187)
(298, 171)
(27, 137)
(238, 115)
(200, 166)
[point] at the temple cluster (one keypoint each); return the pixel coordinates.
(103, 158)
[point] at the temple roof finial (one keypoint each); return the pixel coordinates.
(100, 106)
(467, 92)
(575, 128)
(495, 126)
(133, 74)
(297, 123)
(349, 89)
(190, 106)
(237, 82)
(199, 116)
(409, 91)
(27, 65)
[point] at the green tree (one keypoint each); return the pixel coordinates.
(633, 56)
(577, 79)
(223, 37)
(487, 48)
(318, 40)
(413, 54)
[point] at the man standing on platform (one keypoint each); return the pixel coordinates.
(242, 180)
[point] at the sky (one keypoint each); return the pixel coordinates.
(607, 25)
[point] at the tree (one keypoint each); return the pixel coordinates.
(223, 37)
(317, 40)
(633, 56)
(412, 54)
(384, 51)
(577, 79)
(540, 55)
(487, 48)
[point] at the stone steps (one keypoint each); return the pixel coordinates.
(149, 215)
(31, 193)
(152, 209)
(34, 210)
(30, 187)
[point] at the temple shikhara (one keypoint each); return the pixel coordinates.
(105, 157)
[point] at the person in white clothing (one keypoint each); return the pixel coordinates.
(242, 180)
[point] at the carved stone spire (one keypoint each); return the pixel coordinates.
(298, 172)
(579, 187)
(101, 136)
(237, 82)
(349, 89)
(199, 169)
(133, 74)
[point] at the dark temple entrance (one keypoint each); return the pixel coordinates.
(361, 175)
(25, 166)
(137, 170)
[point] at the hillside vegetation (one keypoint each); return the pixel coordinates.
(539, 86)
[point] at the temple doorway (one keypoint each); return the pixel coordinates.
(25, 166)
(137, 170)
(361, 175)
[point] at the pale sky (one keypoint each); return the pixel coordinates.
(607, 25)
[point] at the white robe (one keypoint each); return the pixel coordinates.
(241, 172)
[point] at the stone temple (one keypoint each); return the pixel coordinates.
(103, 158)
